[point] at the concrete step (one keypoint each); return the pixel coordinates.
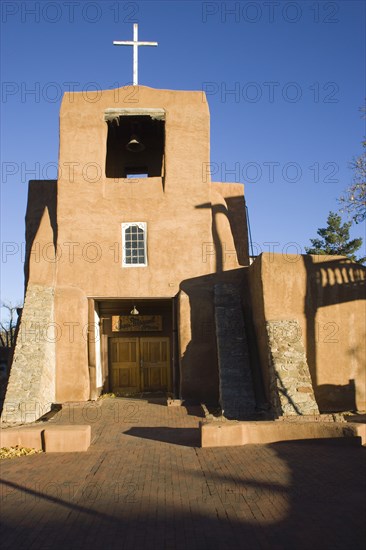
(226, 434)
(55, 438)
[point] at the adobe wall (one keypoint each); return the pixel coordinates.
(177, 208)
(326, 296)
(193, 228)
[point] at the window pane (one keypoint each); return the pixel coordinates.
(134, 245)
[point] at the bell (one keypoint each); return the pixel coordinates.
(134, 311)
(134, 145)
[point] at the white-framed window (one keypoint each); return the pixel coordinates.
(134, 249)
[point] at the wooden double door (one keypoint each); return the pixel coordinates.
(139, 365)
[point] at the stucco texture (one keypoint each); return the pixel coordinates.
(326, 296)
(194, 229)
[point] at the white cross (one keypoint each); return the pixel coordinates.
(135, 43)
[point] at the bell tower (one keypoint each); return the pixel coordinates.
(135, 143)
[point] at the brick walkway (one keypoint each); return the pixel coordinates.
(145, 484)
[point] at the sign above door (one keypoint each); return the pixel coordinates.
(136, 323)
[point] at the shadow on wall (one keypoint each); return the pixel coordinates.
(234, 211)
(199, 375)
(199, 364)
(338, 397)
(42, 194)
(331, 282)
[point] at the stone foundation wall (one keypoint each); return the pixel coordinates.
(237, 398)
(326, 295)
(290, 385)
(31, 388)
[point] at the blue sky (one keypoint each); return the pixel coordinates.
(284, 81)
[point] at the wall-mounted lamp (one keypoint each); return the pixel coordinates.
(134, 311)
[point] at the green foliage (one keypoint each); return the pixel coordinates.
(335, 240)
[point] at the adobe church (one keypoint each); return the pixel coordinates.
(138, 280)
